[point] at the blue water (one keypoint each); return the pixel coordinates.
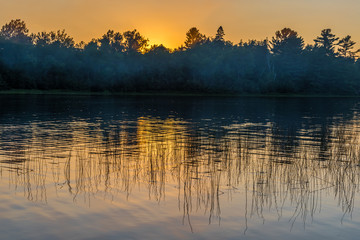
(96, 167)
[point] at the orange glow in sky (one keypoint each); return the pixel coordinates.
(167, 21)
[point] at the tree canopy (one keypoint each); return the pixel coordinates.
(15, 30)
(287, 41)
(194, 38)
(124, 62)
(326, 41)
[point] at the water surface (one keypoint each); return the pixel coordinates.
(81, 167)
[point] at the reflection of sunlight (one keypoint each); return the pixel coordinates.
(272, 168)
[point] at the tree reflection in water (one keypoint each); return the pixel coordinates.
(269, 166)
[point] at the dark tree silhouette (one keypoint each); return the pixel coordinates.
(123, 62)
(134, 41)
(15, 30)
(41, 39)
(112, 42)
(219, 37)
(287, 41)
(287, 48)
(58, 38)
(62, 39)
(345, 47)
(194, 38)
(326, 41)
(92, 46)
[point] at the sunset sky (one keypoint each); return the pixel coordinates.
(167, 21)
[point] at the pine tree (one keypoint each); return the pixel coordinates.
(194, 37)
(345, 47)
(327, 41)
(219, 37)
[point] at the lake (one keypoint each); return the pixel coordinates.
(105, 167)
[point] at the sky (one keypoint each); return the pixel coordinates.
(167, 21)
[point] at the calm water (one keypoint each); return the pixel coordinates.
(179, 168)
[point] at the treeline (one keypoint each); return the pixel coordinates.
(124, 62)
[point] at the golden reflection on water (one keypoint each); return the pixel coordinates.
(256, 162)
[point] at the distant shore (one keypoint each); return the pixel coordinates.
(165, 94)
(123, 64)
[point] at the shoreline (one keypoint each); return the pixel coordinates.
(166, 94)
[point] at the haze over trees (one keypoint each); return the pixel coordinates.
(124, 62)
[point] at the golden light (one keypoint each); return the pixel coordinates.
(166, 22)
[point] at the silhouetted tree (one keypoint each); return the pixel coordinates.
(41, 39)
(59, 38)
(345, 47)
(80, 45)
(92, 46)
(122, 62)
(134, 42)
(287, 41)
(194, 37)
(219, 37)
(326, 41)
(62, 39)
(112, 42)
(287, 48)
(15, 30)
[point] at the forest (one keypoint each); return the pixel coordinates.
(124, 62)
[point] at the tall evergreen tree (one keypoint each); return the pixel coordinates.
(219, 37)
(287, 41)
(194, 37)
(326, 41)
(345, 47)
(287, 48)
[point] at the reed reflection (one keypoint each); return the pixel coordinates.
(266, 165)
